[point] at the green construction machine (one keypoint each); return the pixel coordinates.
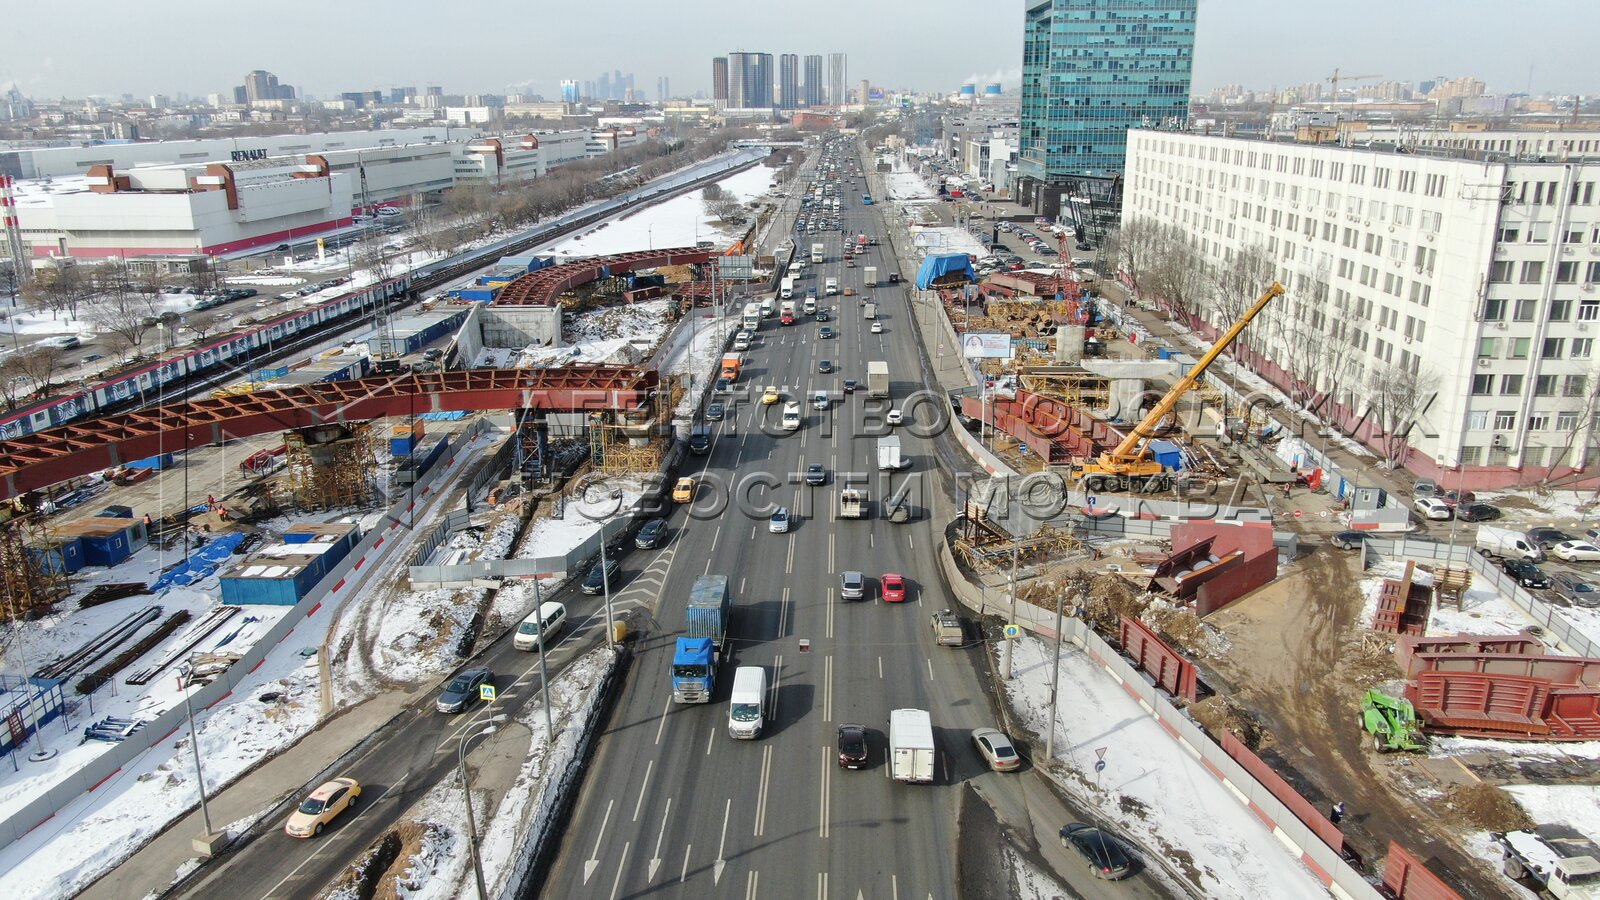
(1392, 722)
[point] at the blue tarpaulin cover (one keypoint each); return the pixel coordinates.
(944, 264)
(202, 563)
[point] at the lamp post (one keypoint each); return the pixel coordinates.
(466, 792)
(208, 840)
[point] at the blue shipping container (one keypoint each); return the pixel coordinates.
(280, 584)
(65, 558)
(1167, 454)
(107, 550)
(479, 294)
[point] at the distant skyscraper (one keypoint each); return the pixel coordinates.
(788, 81)
(719, 79)
(749, 80)
(260, 85)
(569, 91)
(663, 89)
(837, 72)
(813, 92)
(1083, 87)
(602, 87)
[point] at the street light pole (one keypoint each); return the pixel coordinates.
(544, 673)
(466, 793)
(185, 674)
(1012, 616)
(1055, 682)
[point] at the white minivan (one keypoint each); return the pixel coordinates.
(791, 417)
(747, 710)
(547, 620)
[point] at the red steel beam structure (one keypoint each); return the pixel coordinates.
(56, 454)
(541, 288)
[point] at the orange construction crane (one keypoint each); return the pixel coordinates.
(1335, 78)
(1129, 464)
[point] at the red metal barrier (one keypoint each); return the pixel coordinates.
(1409, 879)
(1172, 673)
(1309, 815)
(1472, 703)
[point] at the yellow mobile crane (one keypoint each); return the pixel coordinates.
(1129, 464)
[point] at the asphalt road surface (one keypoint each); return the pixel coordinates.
(671, 805)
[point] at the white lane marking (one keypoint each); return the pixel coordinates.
(716, 867)
(663, 726)
(830, 614)
(830, 552)
(712, 736)
(930, 668)
(655, 861)
(684, 874)
(594, 855)
(880, 668)
(644, 787)
(824, 798)
(621, 867)
(827, 688)
(761, 790)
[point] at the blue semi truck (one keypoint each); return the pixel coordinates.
(694, 664)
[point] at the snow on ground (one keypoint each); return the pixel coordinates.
(440, 871)
(68, 628)
(645, 321)
(679, 222)
(1153, 790)
(1031, 882)
(1562, 507)
(547, 537)
(904, 184)
(1525, 751)
(1483, 610)
(1577, 806)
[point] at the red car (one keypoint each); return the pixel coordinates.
(894, 588)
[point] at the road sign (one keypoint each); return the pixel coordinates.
(1099, 765)
(1100, 752)
(486, 692)
(1090, 499)
(1012, 632)
(1323, 513)
(1299, 513)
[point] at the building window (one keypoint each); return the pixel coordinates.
(1539, 422)
(1477, 420)
(1505, 419)
(1574, 385)
(1566, 272)
(1499, 271)
(1471, 456)
(1591, 274)
(1509, 234)
(1533, 456)
(1517, 348)
(1510, 385)
(1588, 310)
(1560, 310)
(1527, 311)
(1482, 385)
(1494, 309)
(1566, 422)
(1488, 348)
(1582, 348)
(1544, 386)
(1532, 271)
(1554, 348)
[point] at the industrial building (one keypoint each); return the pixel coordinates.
(1473, 269)
(218, 198)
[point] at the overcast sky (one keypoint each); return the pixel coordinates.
(109, 47)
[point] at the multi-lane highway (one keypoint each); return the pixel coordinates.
(672, 803)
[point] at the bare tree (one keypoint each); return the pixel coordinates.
(122, 314)
(207, 322)
(1236, 284)
(1132, 249)
(1581, 404)
(1177, 271)
(38, 365)
(1396, 396)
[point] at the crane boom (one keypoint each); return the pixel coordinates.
(1132, 445)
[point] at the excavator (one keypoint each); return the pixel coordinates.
(1129, 465)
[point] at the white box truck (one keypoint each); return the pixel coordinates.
(911, 745)
(870, 276)
(786, 290)
(869, 310)
(877, 379)
(831, 286)
(817, 254)
(1507, 544)
(889, 458)
(747, 708)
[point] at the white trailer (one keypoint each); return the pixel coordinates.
(870, 276)
(911, 745)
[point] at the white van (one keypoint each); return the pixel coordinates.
(747, 709)
(791, 417)
(548, 619)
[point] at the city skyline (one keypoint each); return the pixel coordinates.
(1246, 42)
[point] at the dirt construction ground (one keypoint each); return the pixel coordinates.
(1298, 660)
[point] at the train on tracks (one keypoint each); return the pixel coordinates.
(254, 345)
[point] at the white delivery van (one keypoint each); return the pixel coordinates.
(1507, 544)
(791, 417)
(768, 307)
(747, 709)
(786, 290)
(831, 286)
(546, 620)
(810, 306)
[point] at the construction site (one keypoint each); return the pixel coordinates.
(1191, 528)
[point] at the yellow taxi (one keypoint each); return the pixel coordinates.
(323, 806)
(770, 396)
(683, 491)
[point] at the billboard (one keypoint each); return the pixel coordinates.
(986, 346)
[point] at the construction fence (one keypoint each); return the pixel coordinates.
(165, 724)
(1485, 574)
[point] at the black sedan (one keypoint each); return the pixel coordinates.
(1477, 512)
(462, 691)
(1102, 851)
(600, 576)
(1546, 538)
(714, 412)
(816, 474)
(1526, 573)
(852, 747)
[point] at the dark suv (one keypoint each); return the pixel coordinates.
(1526, 573)
(600, 575)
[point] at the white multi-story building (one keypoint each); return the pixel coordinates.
(1480, 276)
